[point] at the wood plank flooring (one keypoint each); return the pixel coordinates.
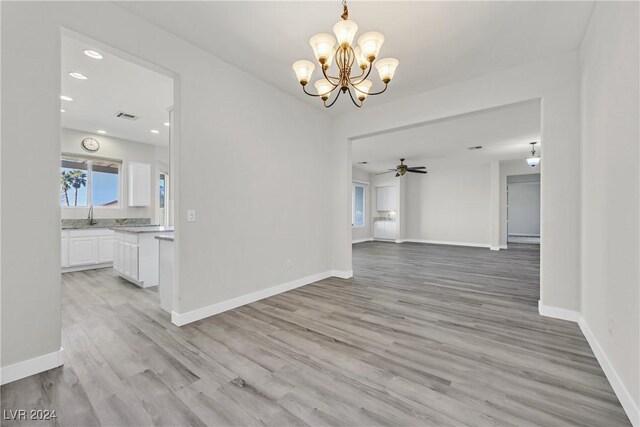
(422, 335)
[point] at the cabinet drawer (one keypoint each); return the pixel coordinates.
(90, 232)
(131, 238)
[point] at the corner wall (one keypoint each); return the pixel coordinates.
(610, 279)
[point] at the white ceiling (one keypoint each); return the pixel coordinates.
(504, 133)
(114, 84)
(437, 43)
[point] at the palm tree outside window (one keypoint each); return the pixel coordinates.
(89, 181)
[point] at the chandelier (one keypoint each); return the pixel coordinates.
(534, 159)
(339, 50)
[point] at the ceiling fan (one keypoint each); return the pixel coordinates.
(401, 169)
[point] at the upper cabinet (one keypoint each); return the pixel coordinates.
(387, 198)
(139, 184)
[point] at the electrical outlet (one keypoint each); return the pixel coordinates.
(191, 215)
(610, 324)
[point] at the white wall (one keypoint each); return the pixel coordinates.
(253, 214)
(524, 208)
(511, 168)
(449, 205)
(610, 213)
(125, 151)
(365, 232)
(554, 80)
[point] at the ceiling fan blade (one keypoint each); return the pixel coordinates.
(416, 167)
(397, 174)
(382, 173)
(412, 171)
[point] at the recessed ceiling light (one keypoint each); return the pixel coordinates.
(155, 131)
(92, 54)
(363, 163)
(78, 76)
(101, 131)
(66, 98)
(61, 110)
(167, 124)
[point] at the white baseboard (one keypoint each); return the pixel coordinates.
(181, 319)
(627, 402)
(625, 398)
(342, 274)
(30, 367)
(558, 313)
(87, 267)
(366, 239)
(445, 242)
(495, 248)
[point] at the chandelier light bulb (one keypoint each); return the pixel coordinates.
(370, 44)
(362, 89)
(303, 70)
(324, 88)
(345, 32)
(386, 68)
(322, 45)
(362, 60)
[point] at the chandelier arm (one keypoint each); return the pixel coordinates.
(362, 74)
(386, 85)
(353, 100)
(318, 94)
(332, 102)
(328, 78)
(363, 78)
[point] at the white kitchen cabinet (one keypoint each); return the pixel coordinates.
(387, 230)
(136, 257)
(165, 274)
(387, 198)
(64, 248)
(83, 249)
(105, 248)
(139, 184)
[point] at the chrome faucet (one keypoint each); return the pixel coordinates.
(90, 216)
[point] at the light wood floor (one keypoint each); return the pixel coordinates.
(422, 335)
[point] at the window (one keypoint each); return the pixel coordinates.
(86, 181)
(357, 207)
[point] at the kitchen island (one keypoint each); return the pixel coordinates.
(135, 253)
(165, 271)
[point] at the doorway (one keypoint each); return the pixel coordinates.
(523, 209)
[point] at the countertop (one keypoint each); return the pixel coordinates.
(144, 229)
(381, 219)
(107, 227)
(168, 237)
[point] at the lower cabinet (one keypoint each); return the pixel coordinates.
(385, 230)
(135, 257)
(88, 248)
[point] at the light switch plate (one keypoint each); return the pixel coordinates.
(191, 215)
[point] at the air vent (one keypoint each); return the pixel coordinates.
(475, 147)
(126, 116)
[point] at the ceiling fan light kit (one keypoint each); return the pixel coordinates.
(339, 49)
(533, 160)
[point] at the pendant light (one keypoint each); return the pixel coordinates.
(534, 160)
